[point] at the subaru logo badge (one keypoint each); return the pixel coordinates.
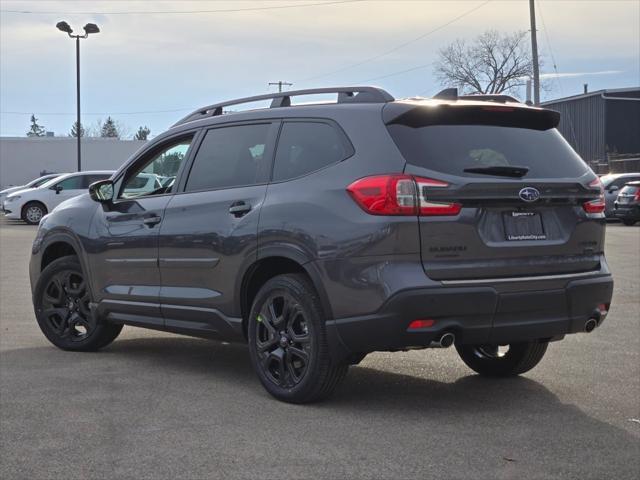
(529, 194)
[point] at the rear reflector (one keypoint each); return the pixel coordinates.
(603, 308)
(398, 195)
(597, 205)
(418, 324)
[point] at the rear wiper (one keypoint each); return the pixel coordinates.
(502, 171)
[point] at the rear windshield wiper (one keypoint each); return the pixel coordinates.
(502, 171)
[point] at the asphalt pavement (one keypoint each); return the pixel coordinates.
(156, 405)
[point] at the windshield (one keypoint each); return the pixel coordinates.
(453, 148)
(607, 179)
(40, 181)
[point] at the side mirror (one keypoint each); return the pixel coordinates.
(101, 191)
(613, 188)
(57, 189)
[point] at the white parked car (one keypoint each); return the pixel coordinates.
(143, 184)
(32, 184)
(32, 204)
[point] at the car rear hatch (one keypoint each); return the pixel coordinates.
(629, 195)
(501, 193)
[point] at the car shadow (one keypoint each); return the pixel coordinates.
(188, 382)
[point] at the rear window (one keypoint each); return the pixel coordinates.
(451, 148)
(630, 190)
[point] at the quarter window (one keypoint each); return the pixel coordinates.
(305, 147)
(230, 157)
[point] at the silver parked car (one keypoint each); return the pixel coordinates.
(613, 183)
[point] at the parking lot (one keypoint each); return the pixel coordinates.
(156, 405)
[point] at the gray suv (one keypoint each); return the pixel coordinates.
(318, 233)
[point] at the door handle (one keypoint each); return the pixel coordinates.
(239, 208)
(151, 221)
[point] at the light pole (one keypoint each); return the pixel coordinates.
(88, 29)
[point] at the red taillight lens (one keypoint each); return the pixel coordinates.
(385, 194)
(636, 197)
(398, 195)
(597, 205)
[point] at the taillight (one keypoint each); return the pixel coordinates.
(385, 194)
(636, 197)
(398, 195)
(597, 205)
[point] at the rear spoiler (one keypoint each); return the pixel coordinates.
(415, 115)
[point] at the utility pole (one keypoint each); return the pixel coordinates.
(280, 83)
(534, 53)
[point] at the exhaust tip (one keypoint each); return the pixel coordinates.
(590, 325)
(447, 340)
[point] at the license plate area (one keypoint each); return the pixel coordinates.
(522, 226)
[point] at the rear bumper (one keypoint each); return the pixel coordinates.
(631, 212)
(476, 314)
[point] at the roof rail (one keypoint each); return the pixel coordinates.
(283, 99)
(452, 94)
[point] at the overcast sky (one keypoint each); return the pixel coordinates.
(166, 64)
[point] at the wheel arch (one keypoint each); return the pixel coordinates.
(273, 262)
(58, 244)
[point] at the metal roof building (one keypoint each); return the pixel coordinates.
(602, 126)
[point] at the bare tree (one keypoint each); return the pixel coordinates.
(494, 63)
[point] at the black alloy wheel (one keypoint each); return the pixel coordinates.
(283, 340)
(288, 341)
(62, 301)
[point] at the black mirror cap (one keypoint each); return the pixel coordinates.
(101, 191)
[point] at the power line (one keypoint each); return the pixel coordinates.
(169, 12)
(400, 46)
(96, 113)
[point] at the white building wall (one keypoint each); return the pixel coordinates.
(24, 158)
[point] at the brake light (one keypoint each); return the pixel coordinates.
(597, 205)
(636, 197)
(385, 194)
(398, 195)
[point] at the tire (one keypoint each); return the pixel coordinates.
(487, 361)
(61, 303)
(33, 212)
(288, 341)
(628, 222)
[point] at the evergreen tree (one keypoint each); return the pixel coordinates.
(35, 130)
(74, 130)
(142, 133)
(109, 129)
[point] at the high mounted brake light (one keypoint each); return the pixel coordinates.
(597, 205)
(398, 195)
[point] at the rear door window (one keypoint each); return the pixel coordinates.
(231, 156)
(72, 183)
(305, 147)
(89, 179)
